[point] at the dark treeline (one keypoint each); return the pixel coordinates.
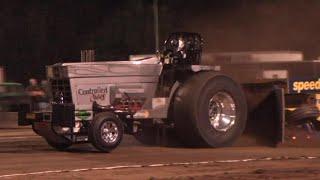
(37, 33)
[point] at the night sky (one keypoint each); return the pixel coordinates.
(38, 33)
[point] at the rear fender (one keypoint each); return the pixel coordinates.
(266, 120)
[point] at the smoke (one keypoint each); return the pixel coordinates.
(33, 35)
(259, 25)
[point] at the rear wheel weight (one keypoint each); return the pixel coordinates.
(209, 110)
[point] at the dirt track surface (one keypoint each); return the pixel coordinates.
(26, 156)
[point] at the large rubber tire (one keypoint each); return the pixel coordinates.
(60, 146)
(302, 115)
(191, 110)
(96, 131)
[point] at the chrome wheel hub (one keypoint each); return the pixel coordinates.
(109, 132)
(222, 111)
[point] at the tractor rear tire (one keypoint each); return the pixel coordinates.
(209, 110)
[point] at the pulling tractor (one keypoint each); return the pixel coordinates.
(204, 102)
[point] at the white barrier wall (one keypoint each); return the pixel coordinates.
(2, 79)
(9, 120)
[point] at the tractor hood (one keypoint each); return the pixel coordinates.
(101, 69)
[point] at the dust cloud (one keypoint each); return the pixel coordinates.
(260, 25)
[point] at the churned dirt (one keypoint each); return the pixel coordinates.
(27, 156)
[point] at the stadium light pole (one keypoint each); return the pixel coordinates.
(156, 24)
